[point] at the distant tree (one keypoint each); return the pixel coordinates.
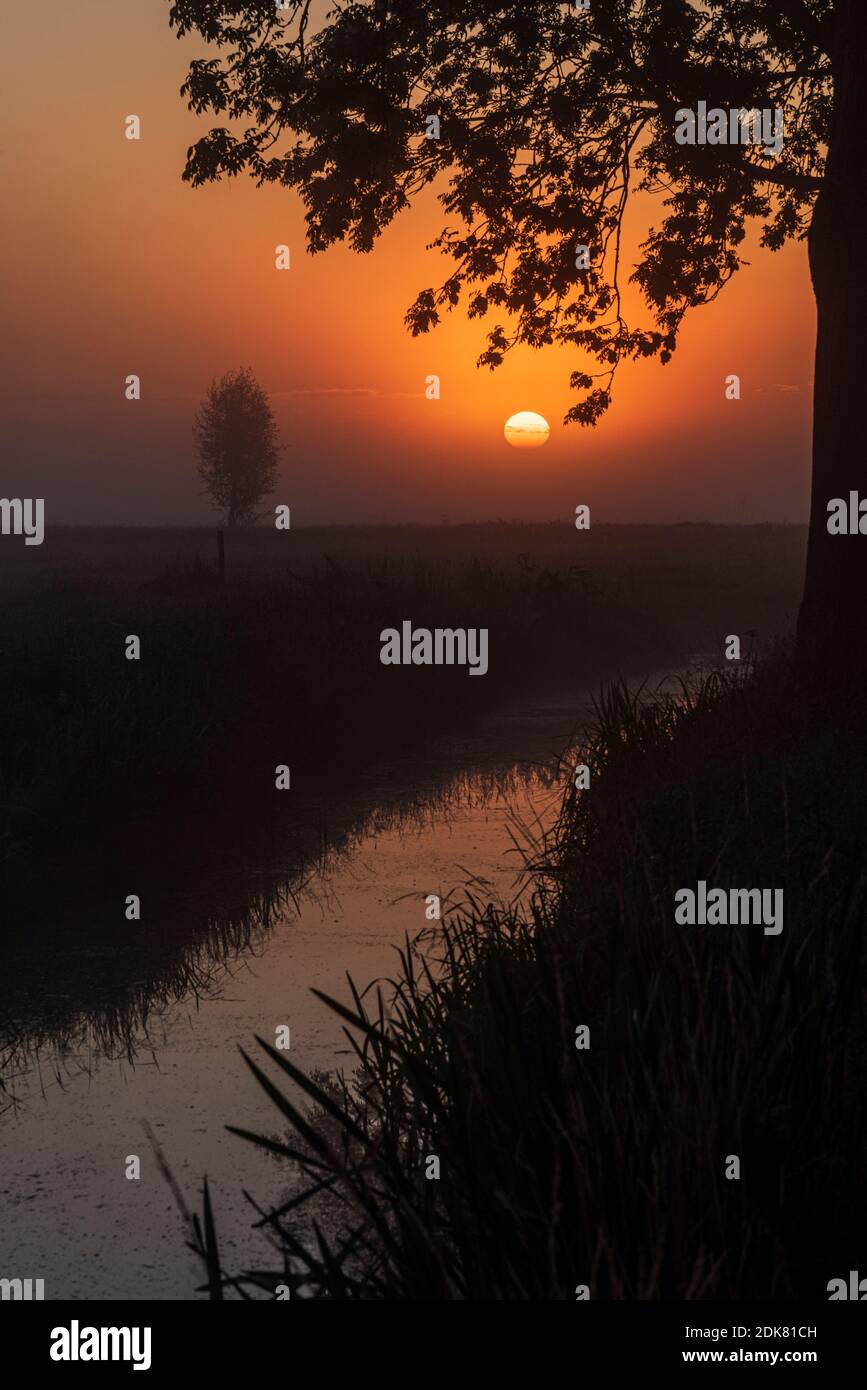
(236, 439)
(549, 116)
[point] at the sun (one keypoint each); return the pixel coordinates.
(526, 430)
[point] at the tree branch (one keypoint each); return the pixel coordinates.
(804, 184)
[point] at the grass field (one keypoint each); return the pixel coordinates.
(280, 665)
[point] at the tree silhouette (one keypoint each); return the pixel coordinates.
(551, 116)
(236, 440)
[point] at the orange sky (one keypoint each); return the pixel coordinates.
(115, 267)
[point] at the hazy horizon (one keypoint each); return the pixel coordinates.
(412, 522)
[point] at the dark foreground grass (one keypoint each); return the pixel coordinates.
(606, 1167)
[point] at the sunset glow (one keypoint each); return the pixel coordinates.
(179, 286)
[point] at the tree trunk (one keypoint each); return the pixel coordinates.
(832, 627)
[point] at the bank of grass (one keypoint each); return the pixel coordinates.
(606, 1167)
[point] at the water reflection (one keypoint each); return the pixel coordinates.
(87, 977)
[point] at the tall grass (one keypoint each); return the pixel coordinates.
(606, 1167)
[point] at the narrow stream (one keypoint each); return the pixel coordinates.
(70, 1214)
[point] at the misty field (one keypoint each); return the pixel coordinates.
(280, 664)
(729, 561)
